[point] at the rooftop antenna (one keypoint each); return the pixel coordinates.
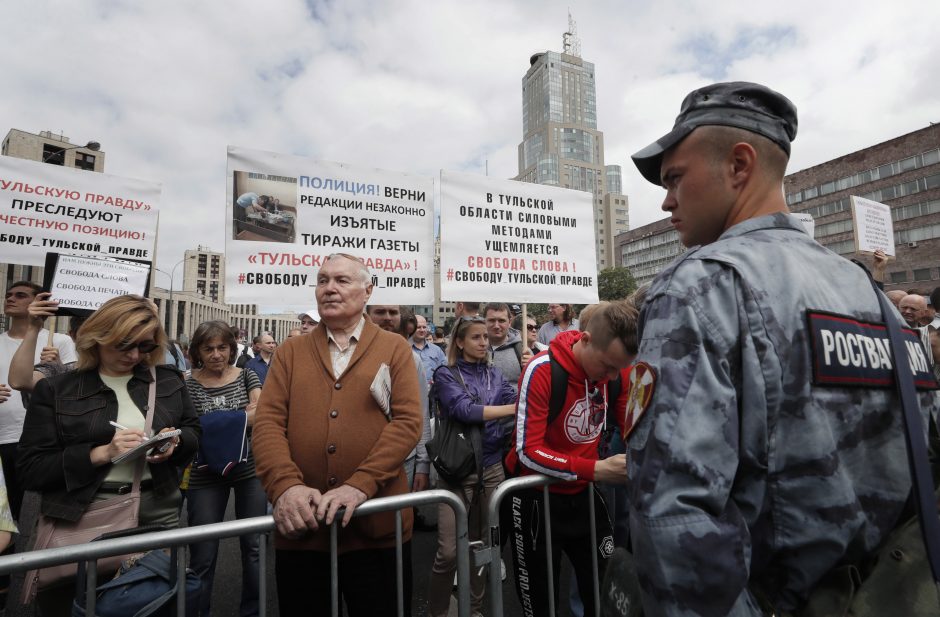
(570, 41)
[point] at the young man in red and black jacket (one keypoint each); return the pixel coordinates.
(563, 443)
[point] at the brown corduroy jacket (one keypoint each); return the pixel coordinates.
(323, 432)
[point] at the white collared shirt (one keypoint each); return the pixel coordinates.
(340, 357)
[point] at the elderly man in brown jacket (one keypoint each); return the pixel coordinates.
(322, 442)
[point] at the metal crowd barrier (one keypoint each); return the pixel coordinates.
(491, 555)
(262, 525)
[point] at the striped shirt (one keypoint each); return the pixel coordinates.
(233, 395)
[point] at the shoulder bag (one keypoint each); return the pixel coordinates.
(145, 586)
(456, 450)
(114, 514)
(904, 576)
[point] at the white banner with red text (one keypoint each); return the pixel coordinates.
(515, 241)
(49, 208)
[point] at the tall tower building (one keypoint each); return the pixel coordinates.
(561, 145)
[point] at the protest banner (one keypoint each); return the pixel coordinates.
(515, 241)
(806, 219)
(82, 284)
(47, 208)
(285, 214)
(874, 229)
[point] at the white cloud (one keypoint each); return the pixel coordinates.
(418, 86)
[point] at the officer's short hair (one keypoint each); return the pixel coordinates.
(616, 320)
(720, 139)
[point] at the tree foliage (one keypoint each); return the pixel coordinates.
(615, 283)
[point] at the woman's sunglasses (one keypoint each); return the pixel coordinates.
(143, 347)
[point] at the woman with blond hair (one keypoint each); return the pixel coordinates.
(71, 432)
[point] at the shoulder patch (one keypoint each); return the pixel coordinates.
(642, 383)
(847, 352)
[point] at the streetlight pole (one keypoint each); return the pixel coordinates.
(91, 145)
(170, 312)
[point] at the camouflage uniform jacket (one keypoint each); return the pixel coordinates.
(744, 475)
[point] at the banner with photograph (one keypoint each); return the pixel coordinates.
(285, 214)
(510, 241)
(47, 208)
(874, 229)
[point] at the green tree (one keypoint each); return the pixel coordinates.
(615, 283)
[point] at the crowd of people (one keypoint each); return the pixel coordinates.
(735, 458)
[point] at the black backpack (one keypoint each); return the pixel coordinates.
(557, 398)
(560, 391)
(243, 358)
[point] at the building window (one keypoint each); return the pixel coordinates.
(54, 155)
(899, 277)
(85, 161)
(922, 274)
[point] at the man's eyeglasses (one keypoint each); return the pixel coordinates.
(143, 347)
(530, 327)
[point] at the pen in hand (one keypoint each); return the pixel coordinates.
(121, 427)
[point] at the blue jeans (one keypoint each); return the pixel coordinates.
(207, 505)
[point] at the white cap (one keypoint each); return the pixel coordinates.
(312, 314)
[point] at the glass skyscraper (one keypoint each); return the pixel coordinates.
(561, 145)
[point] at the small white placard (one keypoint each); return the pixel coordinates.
(873, 227)
(807, 220)
(88, 282)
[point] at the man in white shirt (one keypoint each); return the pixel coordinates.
(12, 411)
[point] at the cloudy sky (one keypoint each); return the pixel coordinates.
(420, 86)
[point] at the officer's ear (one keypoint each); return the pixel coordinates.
(743, 163)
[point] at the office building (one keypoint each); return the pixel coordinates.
(52, 149)
(204, 272)
(201, 299)
(903, 173)
(561, 144)
(48, 147)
